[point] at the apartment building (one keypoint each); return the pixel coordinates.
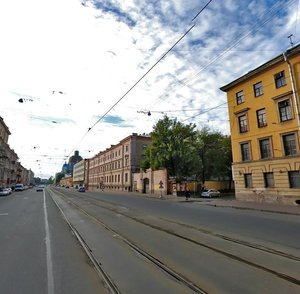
(113, 168)
(79, 173)
(11, 171)
(264, 121)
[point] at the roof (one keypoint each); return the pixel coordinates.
(5, 126)
(280, 58)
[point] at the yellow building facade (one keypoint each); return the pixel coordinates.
(264, 118)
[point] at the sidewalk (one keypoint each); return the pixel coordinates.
(226, 201)
(233, 203)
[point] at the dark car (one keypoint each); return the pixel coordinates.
(81, 189)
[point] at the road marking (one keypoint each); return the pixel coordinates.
(5, 213)
(50, 279)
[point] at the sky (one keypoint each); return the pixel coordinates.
(83, 75)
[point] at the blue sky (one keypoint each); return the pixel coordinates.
(75, 64)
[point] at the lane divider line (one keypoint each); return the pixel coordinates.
(50, 278)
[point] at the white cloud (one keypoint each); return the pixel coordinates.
(94, 54)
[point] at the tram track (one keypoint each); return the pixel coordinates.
(105, 205)
(110, 284)
(202, 230)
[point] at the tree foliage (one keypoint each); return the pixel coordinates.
(214, 151)
(58, 177)
(51, 181)
(172, 147)
(187, 152)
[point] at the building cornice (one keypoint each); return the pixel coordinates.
(282, 95)
(278, 59)
(242, 110)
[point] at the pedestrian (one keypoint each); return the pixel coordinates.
(187, 193)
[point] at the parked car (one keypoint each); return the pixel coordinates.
(210, 193)
(81, 189)
(19, 187)
(40, 188)
(4, 192)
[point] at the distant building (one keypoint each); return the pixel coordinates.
(73, 160)
(11, 170)
(79, 171)
(265, 122)
(67, 168)
(113, 168)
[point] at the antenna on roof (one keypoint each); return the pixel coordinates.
(291, 41)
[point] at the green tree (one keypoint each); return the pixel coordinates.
(58, 177)
(50, 180)
(173, 147)
(214, 150)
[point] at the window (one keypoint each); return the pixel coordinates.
(248, 180)
(126, 161)
(265, 148)
(280, 79)
(285, 110)
(243, 124)
(269, 180)
(245, 151)
(258, 89)
(126, 177)
(289, 144)
(261, 118)
(294, 179)
(240, 97)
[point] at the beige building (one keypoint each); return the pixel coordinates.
(67, 181)
(264, 118)
(79, 171)
(11, 171)
(151, 182)
(113, 168)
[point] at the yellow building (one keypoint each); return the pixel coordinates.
(264, 122)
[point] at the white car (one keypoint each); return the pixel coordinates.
(4, 192)
(210, 193)
(40, 188)
(19, 187)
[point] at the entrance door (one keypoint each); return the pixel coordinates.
(146, 185)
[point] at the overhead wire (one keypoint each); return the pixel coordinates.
(254, 29)
(143, 76)
(267, 16)
(271, 13)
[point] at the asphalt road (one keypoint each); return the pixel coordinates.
(280, 230)
(159, 246)
(38, 252)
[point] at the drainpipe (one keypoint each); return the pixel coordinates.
(293, 86)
